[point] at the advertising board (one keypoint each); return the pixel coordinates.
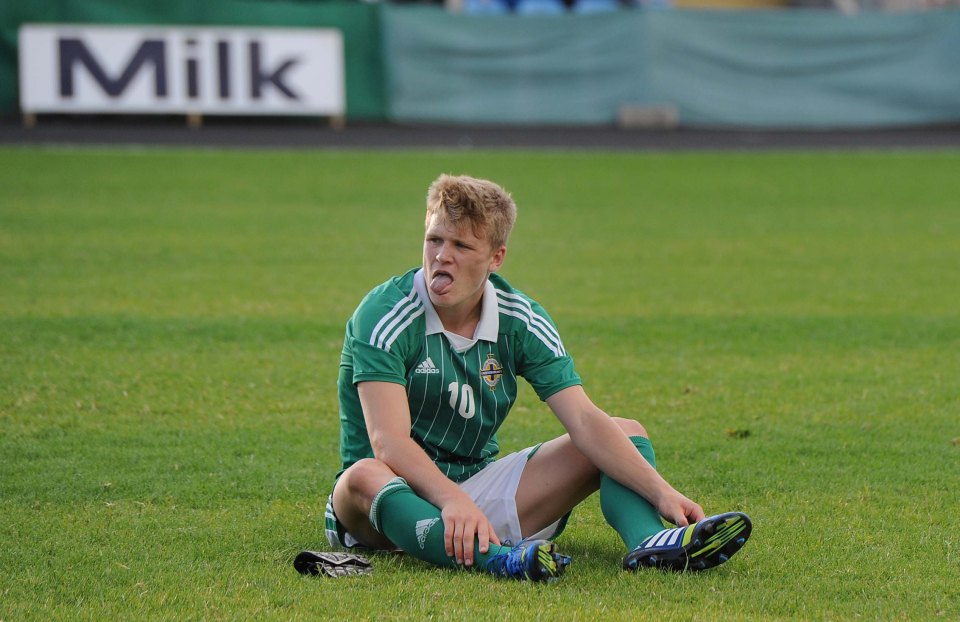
(170, 70)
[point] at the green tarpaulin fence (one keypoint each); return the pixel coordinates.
(715, 68)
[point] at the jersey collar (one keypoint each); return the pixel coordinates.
(487, 329)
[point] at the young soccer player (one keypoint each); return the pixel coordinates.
(429, 370)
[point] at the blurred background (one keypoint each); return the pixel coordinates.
(805, 65)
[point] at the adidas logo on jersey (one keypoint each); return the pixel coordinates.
(423, 528)
(427, 367)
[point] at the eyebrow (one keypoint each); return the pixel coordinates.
(432, 233)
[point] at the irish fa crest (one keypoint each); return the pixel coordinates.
(491, 371)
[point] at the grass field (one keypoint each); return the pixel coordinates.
(786, 325)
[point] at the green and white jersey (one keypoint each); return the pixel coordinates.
(459, 390)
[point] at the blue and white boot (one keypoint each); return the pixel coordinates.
(705, 544)
(531, 560)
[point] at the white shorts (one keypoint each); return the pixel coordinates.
(494, 490)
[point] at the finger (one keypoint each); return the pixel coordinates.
(448, 537)
(458, 543)
(681, 520)
(493, 535)
(468, 533)
(483, 538)
(698, 514)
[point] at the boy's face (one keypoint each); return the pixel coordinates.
(456, 264)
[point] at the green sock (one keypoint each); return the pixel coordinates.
(634, 518)
(415, 525)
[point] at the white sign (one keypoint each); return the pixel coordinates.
(164, 70)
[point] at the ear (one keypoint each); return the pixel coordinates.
(497, 260)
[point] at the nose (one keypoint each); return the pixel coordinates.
(443, 253)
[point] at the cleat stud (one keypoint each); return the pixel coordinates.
(741, 541)
(723, 558)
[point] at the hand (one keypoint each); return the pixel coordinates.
(678, 509)
(462, 520)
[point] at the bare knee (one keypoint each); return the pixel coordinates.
(631, 427)
(353, 495)
(364, 479)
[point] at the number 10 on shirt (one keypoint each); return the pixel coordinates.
(464, 394)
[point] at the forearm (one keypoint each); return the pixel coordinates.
(388, 427)
(408, 460)
(599, 438)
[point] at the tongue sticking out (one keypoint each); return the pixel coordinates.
(440, 283)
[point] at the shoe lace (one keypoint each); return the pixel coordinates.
(509, 564)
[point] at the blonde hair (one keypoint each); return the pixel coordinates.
(485, 206)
